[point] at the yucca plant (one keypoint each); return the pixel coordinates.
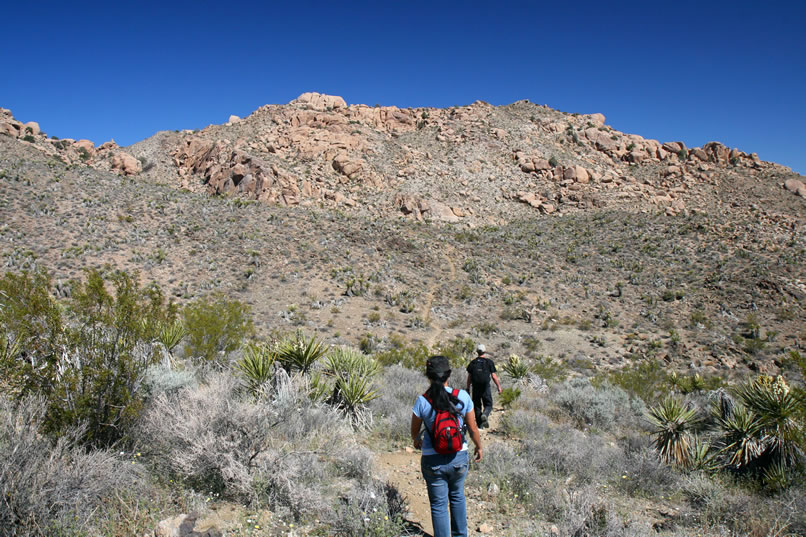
(779, 413)
(171, 334)
(256, 365)
(701, 457)
(516, 369)
(9, 347)
(354, 392)
(673, 423)
(344, 362)
(320, 388)
(741, 437)
(776, 477)
(299, 353)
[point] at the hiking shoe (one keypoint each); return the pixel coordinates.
(484, 422)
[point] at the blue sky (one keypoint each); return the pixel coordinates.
(734, 72)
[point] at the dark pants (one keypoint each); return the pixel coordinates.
(482, 394)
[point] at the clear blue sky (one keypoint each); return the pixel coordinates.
(677, 70)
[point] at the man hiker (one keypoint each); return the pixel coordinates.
(479, 373)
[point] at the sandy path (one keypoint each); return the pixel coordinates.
(402, 469)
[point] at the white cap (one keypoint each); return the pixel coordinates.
(480, 348)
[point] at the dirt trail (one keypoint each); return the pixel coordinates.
(402, 469)
(448, 252)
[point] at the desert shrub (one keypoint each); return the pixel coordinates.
(645, 475)
(215, 325)
(374, 511)
(505, 468)
(48, 486)
(717, 504)
(458, 350)
(90, 362)
(525, 423)
(277, 450)
(31, 325)
(162, 378)
(647, 380)
(549, 368)
(568, 452)
(509, 396)
(599, 407)
(411, 356)
(398, 387)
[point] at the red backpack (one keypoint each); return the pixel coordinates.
(447, 437)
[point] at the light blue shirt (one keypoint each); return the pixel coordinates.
(422, 409)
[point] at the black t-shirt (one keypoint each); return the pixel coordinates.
(483, 367)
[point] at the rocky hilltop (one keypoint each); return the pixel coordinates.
(477, 164)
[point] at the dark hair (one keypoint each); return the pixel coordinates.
(436, 393)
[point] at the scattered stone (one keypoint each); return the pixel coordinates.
(484, 528)
(795, 186)
(125, 163)
(233, 119)
(184, 526)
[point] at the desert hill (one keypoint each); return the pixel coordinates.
(543, 226)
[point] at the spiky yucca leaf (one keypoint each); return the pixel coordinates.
(256, 365)
(345, 362)
(742, 438)
(776, 476)
(9, 347)
(320, 388)
(300, 353)
(171, 334)
(701, 456)
(354, 393)
(673, 423)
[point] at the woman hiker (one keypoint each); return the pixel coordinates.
(442, 409)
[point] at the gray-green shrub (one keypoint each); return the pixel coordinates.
(48, 486)
(599, 407)
(398, 387)
(278, 449)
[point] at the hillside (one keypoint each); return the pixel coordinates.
(543, 225)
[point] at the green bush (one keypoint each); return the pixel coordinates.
(647, 380)
(89, 357)
(509, 396)
(215, 325)
(31, 325)
(410, 356)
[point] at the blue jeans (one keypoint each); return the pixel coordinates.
(445, 477)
